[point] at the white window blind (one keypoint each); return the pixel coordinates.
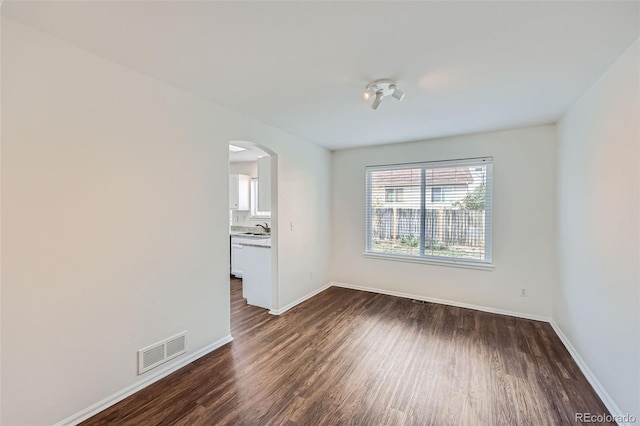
(444, 213)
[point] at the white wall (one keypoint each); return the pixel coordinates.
(115, 222)
(523, 224)
(596, 304)
(303, 212)
(249, 168)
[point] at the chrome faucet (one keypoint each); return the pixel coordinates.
(265, 227)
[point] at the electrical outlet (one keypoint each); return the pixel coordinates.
(291, 225)
(523, 292)
(310, 275)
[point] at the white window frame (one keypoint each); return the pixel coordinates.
(485, 264)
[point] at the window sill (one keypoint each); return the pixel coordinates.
(443, 262)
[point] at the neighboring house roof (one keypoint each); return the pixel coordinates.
(411, 177)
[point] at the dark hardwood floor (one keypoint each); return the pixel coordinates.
(351, 357)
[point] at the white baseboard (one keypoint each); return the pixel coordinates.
(591, 378)
(130, 390)
(443, 302)
(298, 301)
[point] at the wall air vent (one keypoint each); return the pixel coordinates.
(161, 352)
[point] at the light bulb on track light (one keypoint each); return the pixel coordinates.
(368, 93)
(378, 100)
(397, 93)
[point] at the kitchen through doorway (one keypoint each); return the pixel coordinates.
(252, 224)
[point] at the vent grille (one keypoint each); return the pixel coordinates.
(153, 356)
(161, 352)
(176, 346)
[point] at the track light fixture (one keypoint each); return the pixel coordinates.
(380, 89)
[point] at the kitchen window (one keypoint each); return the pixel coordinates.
(255, 213)
(443, 214)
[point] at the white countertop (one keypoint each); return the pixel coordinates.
(251, 240)
(244, 234)
(260, 242)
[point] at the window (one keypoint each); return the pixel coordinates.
(445, 214)
(436, 195)
(393, 195)
(445, 194)
(255, 213)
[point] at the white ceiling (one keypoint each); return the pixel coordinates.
(302, 66)
(251, 153)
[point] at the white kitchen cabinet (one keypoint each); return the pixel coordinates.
(236, 259)
(239, 192)
(256, 280)
(264, 184)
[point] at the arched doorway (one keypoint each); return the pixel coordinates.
(253, 188)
